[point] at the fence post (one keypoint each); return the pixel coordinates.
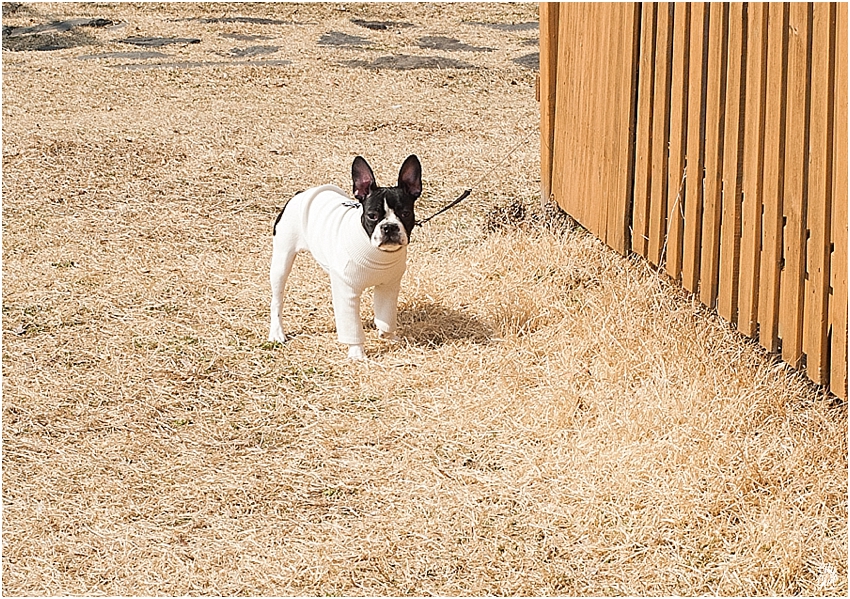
(548, 87)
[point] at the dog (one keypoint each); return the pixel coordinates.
(359, 244)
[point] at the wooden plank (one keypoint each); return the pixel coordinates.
(793, 279)
(565, 165)
(576, 105)
(730, 234)
(643, 157)
(605, 120)
(838, 302)
(714, 143)
(660, 132)
(695, 149)
(678, 138)
(752, 182)
(592, 197)
(627, 48)
(549, 12)
(588, 169)
(816, 327)
(592, 124)
(585, 175)
(774, 163)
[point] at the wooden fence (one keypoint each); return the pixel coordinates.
(711, 139)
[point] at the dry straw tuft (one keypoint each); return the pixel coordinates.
(556, 419)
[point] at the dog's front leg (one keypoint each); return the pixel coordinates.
(385, 304)
(349, 329)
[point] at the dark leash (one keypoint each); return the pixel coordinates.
(460, 198)
(466, 193)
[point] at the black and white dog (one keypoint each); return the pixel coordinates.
(360, 245)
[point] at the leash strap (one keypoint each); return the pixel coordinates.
(461, 198)
(466, 193)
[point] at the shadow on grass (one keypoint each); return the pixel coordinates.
(425, 323)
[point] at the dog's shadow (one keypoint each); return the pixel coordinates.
(423, 322)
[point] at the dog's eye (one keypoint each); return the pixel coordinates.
(405, 213)
(372, 215)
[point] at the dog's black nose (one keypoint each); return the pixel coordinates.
(389, 228)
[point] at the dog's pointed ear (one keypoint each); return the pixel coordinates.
(363, 178)
(410, 176)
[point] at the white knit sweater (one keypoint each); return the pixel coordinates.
(333, 234)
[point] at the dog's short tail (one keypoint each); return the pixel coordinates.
(277, 220)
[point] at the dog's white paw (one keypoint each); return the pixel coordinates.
(355, 352)
(387, 336)
(276, 334)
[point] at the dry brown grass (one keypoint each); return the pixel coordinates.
(556, 419)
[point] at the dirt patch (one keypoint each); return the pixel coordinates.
(201, 64)
(502, 217)
(529, 61)
(243, 20)
(157, 42)
(245, 37)
(56, 35)
(54, 27)
(335, 38)
(381, 25)
(403, 62)
(517, 215)
(47, 42)
(449, 44)
(251, 51)
(124, 55)
(513, 27)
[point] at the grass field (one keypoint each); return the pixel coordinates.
(556, 419)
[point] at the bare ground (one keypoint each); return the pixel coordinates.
(556, 419)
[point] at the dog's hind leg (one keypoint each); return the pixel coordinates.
(283, 256)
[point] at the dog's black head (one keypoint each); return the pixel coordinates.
(388, 211)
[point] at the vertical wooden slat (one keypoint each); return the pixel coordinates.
(605, 121)
(548, 90)
(567, 135)
(623, 129)
(754, 129)
(774, 162)
(586, 163)
(678, 138)
(696, 148)
(643, 157)
(714, 144)
(794, 198)
(595, 199)
(660, 131)
(816, 325)
(586, 172)
(583, 52)
(838, 302)
(730, 235)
